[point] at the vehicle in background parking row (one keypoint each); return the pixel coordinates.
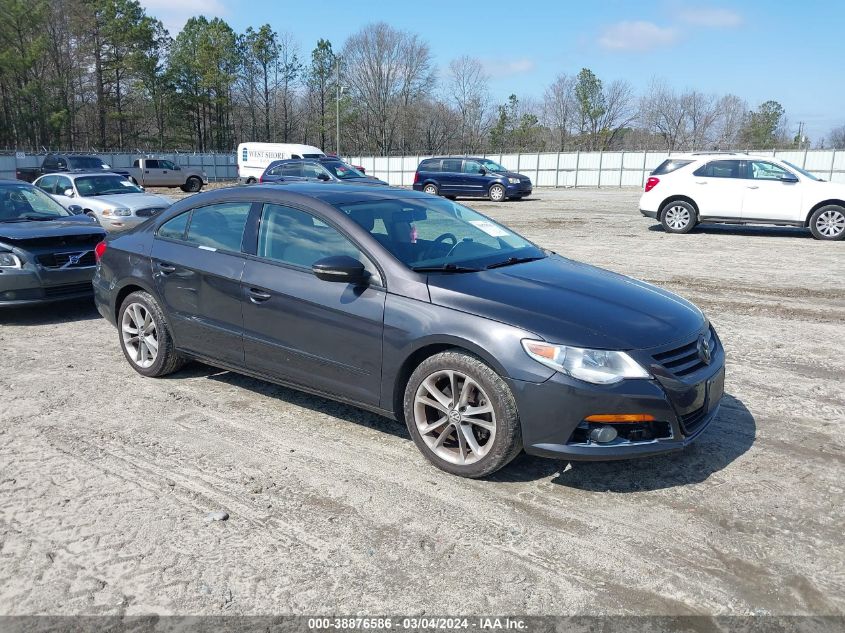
(470, 177)
(733, 188)
(254, 158)
(316, 169)
(56, 163)
(158, 172)
(46, 252)
(420, 309)
(111, 200)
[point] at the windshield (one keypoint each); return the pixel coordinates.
(436, 233)
(24, 202)
(801, 171)
(104, 186)
(86, 162)
(489, 165)
(342, 170)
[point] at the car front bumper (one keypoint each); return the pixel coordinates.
(553, 414)
(520, 190)
(123, 223)
(21, 287)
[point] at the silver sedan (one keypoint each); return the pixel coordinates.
(115, 202)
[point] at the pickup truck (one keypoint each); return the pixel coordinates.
(56, 163)
(158, 172)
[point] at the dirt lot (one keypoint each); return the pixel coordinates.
(106, 478)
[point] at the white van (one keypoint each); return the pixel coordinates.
(253, 158)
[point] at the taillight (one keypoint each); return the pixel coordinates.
(261, 178)
(416, 177)
(99, 250)
(651, 183)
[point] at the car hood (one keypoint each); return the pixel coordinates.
(72, 225)
(512, 174)
(366, 180)
(131, 201)
(571, 303)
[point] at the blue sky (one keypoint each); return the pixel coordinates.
(791, 52)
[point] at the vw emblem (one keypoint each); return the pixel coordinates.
(74, 259)
(704, 352)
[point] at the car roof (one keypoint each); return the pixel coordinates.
(73, 175)
(718, 155)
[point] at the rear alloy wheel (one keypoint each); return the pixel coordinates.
(497, 193)
(678, 217)
(193, 185)
(430, 189)
(828, 223)
(145, 337)
(462, 415)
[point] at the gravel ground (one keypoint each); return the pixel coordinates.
(106, 478)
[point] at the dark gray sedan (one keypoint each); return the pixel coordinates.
(417, 308)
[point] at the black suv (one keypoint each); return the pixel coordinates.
(476, 177)
(55, 163)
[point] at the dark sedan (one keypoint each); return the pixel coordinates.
(46, 252)
(315, 170)
(417, 308)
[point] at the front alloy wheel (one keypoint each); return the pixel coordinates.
(497, 193)
(828, 223)
(462, 415)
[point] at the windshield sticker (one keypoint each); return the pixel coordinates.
(126, 183)
(488, 227)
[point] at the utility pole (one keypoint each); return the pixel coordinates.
(337, 108)
(800, 133)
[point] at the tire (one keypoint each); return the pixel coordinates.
(91, 214)
(828, 223)
(192, 185)
(431, 189)
(251, 181)
(497, 193)
(435, 429)
(678, 216)
(156, 362)
(451, 197)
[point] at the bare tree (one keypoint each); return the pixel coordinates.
(618, 112)
(662, 113)
(469, 91)
(730, 122)
(392, 68)
(837, 137)
(559, 108)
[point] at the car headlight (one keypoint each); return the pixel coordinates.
(598, 366)
(513, 181)
(117, 212)
(9, 260)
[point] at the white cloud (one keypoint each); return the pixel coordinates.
(174, 13)
(710, 17)
(637, 36)
(506, 68)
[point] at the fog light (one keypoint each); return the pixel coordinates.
(603, 434)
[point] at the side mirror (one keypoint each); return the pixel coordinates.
(788, 178)
(75, 209)
(68, 193)
(323, 177)
(341, 268)
(482, 171)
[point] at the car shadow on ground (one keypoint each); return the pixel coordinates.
(295, 397)
(743, 229)
(730, 435)
(50, 313)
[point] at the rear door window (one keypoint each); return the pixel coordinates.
(48, 184)
(219, 226)
(452, 165)
(720, 169)
(151, 163)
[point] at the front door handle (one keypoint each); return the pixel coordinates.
(752, 187)
(258, 296)
(166, 268)
(701, 182)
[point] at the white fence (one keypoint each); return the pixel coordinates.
(551, 169)
(592, 169)
(217, 166)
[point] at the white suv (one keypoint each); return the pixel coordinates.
(737, 188)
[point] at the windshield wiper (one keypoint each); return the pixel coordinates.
(510, 261)
(445, 268)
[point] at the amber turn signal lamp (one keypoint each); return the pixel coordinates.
(622, 417)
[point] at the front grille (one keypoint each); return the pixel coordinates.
(52, 292)
(692, 420)
(68, 260)
(78, 242)
(148, 213)
(685, 360)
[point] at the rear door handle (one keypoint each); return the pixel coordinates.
(166, 268)
(701, 182)
(752, 187)
(258, 296)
